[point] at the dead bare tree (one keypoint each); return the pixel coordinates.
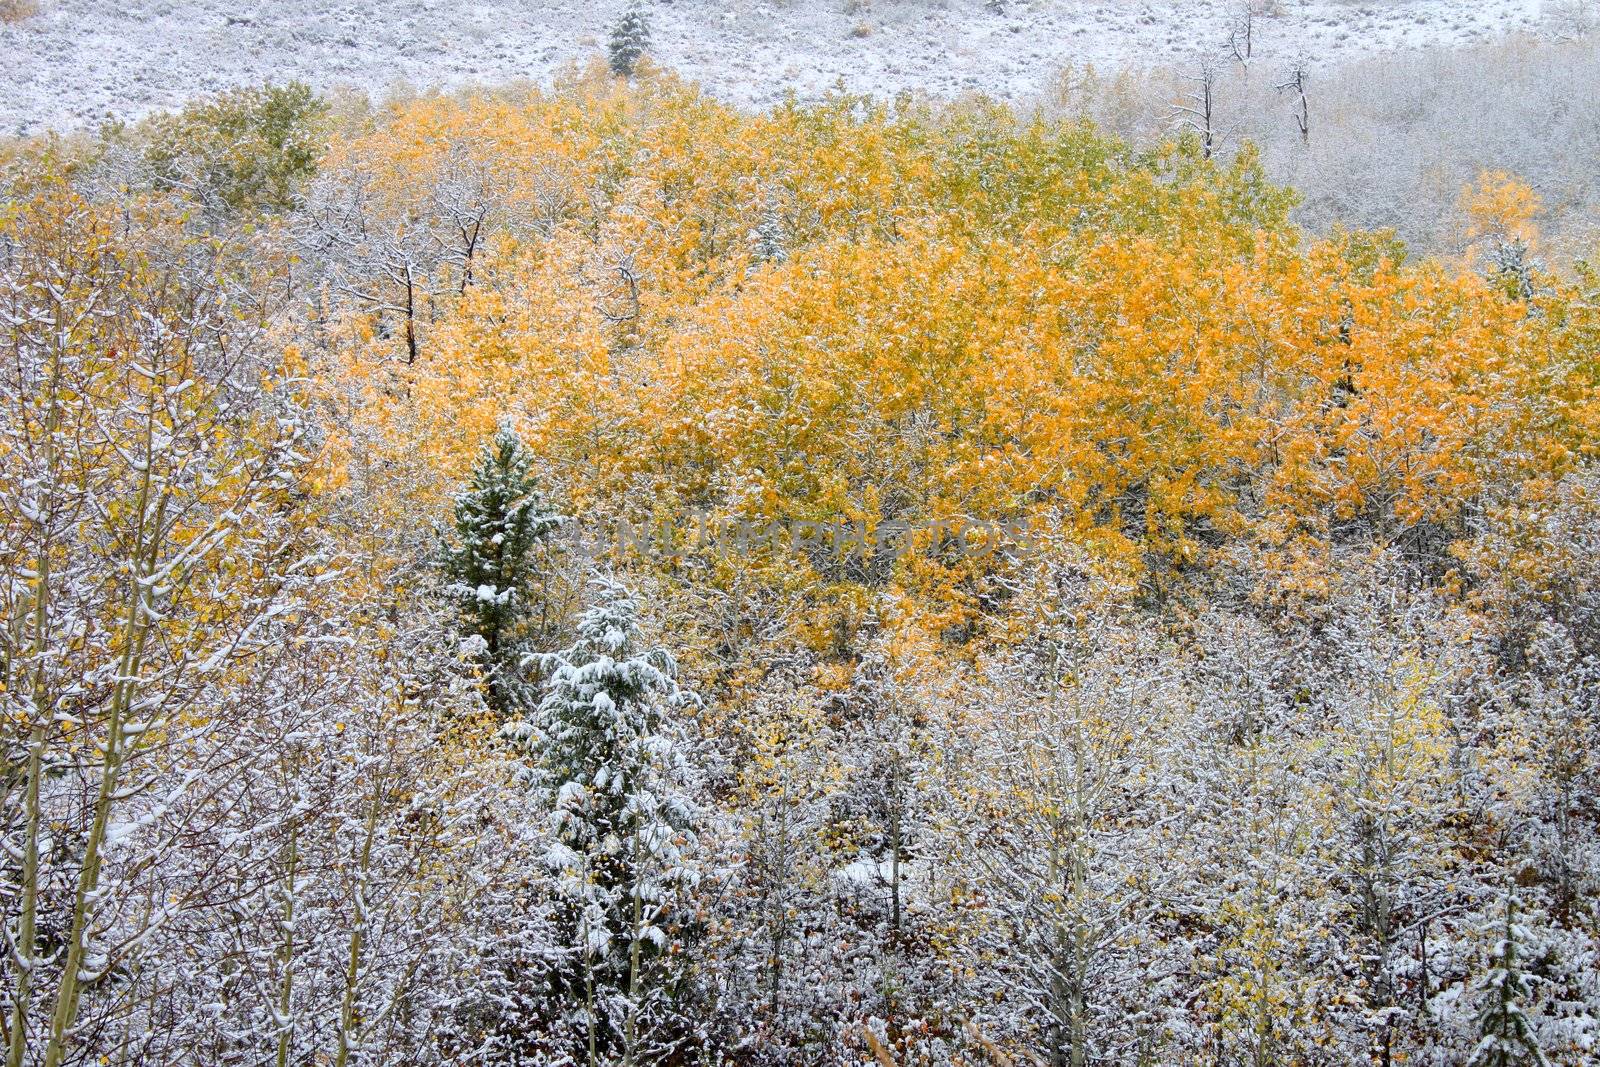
(396, 254)
(1295, 81)
(1198, 110)
(1242, 33)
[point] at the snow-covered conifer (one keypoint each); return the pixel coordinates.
(768, 238)
(1506, 1037)
(501, 521)
(630, 39)
(612, 765)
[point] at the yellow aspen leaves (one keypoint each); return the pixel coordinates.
(867, 314)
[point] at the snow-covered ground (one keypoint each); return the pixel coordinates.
(80, 61)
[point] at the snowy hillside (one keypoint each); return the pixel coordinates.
(79, 61)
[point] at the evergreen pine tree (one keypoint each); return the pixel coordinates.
(630, 39)
(1511, 267)
(1506, 1036)
(609, 762)
(768, 237)
(501, 520)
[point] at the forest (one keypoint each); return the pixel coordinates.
(588, 574)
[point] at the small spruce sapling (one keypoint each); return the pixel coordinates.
(630, 39)
(768, 239)
(501, 521)
(1506, 1037)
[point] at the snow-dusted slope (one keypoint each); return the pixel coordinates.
(79, 61)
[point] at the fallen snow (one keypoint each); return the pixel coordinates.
(81, 61)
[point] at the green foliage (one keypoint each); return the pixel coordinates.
(1367, 250)
(496, 571)
(617, 781)
(630, 39)
(248, 150)
(1506, 1036)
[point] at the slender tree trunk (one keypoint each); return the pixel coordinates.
(24, 952)
(1060, 1029)
(352, 973)
(470, 236)
(136, 628)
(777, 920)
(411, 318)
(26, 959)
(631, 1029)
(588, 973)
(1077, 879)
(286, 955)
(894, 857)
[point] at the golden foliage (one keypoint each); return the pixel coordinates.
(972, 316)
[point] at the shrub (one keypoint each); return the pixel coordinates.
(12, 11)
(245, 150)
